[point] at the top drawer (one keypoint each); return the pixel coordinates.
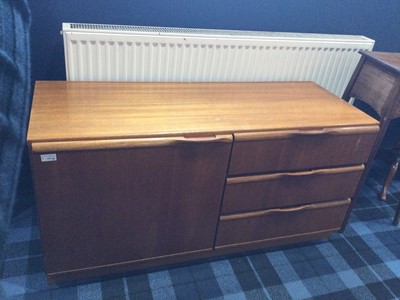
(299, 150)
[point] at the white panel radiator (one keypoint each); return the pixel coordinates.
(133, 53)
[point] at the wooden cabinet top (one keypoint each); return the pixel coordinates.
(102, 110)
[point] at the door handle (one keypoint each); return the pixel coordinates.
(42, 147)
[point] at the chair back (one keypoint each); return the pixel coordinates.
(376, 81)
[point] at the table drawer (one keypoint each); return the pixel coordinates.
(290, 189)
(301, 150)
(274, 223)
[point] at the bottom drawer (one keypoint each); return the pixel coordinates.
(274, 223)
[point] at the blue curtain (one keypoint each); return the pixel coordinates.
(15, 92)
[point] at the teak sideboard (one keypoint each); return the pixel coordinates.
(130, 176)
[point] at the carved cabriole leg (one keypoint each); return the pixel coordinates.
(392, 172)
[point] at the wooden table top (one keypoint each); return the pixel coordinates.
(64, 111)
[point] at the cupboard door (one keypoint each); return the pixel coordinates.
(109, 202)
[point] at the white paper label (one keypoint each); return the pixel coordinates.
(48, 157)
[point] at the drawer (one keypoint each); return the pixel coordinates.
(301, 150)
(290, 189)
(284, 222)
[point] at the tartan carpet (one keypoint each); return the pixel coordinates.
(361, 263)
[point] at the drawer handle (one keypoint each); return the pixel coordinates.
(267, 177)
(284, 134)
(305, 173)
(315, 132)
(330, 131)
(309, 173)
(283, 210)
(323, 171)
(204, 139)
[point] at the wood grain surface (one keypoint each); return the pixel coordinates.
(64, 111)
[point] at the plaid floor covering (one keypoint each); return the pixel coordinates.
(362, 263)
